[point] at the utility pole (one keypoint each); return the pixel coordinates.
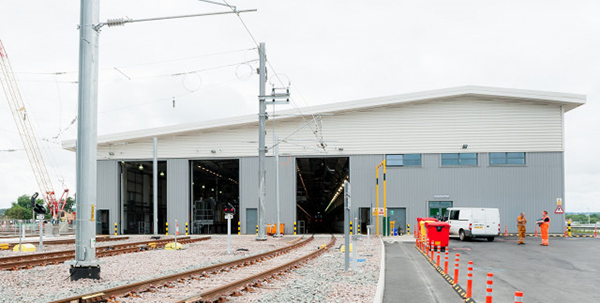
(155, 188)
(85, 264)
(262, 115)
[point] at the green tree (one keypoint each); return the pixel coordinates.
(22, 208)
(69, 204)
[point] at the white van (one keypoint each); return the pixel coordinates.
(472, 222)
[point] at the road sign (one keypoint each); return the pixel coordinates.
(559, 210)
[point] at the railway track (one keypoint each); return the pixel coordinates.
(67, 241)
(49, 258)
(154, 287)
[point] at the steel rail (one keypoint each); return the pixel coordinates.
(104, 295)
(68, 241)
(219, 292)
(43, 259)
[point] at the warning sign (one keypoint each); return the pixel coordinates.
(559, 210)
(381, 211)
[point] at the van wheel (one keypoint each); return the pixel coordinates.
(490, 239)
(461, 235)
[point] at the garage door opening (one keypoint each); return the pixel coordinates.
(319, 193)
(215, 183)
(138, 202)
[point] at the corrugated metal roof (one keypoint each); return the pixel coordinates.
(568, 101)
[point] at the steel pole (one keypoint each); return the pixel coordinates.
(155, 186)
(278, 227)
(262, 112)
(346, 225)
(85, 264)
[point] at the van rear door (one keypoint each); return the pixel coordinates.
(479, 221)
(492, 217)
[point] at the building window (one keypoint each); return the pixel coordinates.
(507, 158)
(403, 160)
(463, 159)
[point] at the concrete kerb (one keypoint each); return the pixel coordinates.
(381, 283)
(457, 288)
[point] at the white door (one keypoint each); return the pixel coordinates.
(492, 221)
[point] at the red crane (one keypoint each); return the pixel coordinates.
(30, 144)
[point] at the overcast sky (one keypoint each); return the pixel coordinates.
(180, 71)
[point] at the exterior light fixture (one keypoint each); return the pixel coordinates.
(141, 167)
(213, 151)
(203, 186)
(162, 173)
(340, 148)
(465, 146)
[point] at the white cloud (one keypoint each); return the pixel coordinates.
(330, 51)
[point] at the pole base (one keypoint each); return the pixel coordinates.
(84, 272)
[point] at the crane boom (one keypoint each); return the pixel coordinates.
(25, 129)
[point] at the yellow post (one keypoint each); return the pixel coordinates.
(377, 195)
(358, 228)
(115, 228)
(186, 228)
(351, 228)
(256, 229)
(387, 228)
(294, 228)
(239, 229)
(407, 229)
(167, 224)
(569, 225)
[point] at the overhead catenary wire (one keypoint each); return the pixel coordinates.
(321, 143)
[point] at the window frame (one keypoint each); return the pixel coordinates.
(506, 159)
(404, 160)
(460, 160)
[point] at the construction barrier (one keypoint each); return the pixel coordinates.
(457, 259)
(506, 230)
(470, 279)
(489, 287)
(536, 230)
(518, 297)
(446, 263)
(439, 252)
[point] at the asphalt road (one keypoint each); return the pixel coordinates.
(566, 271)
(410, 278)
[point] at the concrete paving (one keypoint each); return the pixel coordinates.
(410, 278)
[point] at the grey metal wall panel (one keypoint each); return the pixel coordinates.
(108, 190)
(178, 193)
(531, 188)
(287, 190)
(248, 187)
(362, 180)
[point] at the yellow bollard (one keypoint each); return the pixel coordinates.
(358, 229)
(167, 228)
(239, 228)
(408, 229)
(294, 228)
(186, 228)
(257, 230)
(351, 228)
(115, 229)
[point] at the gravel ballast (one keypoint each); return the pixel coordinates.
(322, 279)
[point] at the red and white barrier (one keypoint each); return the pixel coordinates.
(439, 251)
(518, 297)
(470, 280)
(457, 259)
(488, 288)
(446, 262)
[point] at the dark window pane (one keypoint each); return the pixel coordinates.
(449, 161)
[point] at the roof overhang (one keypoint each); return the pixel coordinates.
(567, 101)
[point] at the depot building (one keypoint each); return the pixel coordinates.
(459, 147)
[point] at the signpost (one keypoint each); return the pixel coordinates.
(229, 217)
